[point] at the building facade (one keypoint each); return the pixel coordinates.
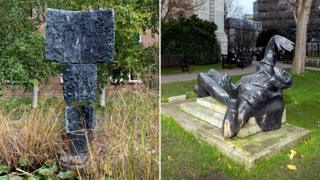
(213, 10)
(242, 34)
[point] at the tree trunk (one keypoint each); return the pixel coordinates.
(35, 96)
(298, 64)
(103, 97)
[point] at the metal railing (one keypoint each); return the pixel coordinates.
(313, 49)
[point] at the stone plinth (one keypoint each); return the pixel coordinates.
(247, 151)
(211, 111)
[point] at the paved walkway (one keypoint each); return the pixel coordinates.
(170, 78)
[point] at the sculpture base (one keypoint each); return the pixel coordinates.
(73, 163)
(211, 111)
(247, 151)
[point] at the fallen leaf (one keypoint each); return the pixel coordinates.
(292, 154)
(292, 167)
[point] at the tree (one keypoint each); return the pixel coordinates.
(314, 25)
(131, 19)
(21, 49)
(233, 8)
(176, 8)
(301, 11)
(19, 26)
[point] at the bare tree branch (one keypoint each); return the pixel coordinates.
(233, 8)
(40, 12)
(175, 8)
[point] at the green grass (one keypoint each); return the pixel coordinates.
(175, 70)
(180, 88)
(184, 156)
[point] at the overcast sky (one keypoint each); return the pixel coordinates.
(247, 6)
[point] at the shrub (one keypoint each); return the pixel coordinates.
(192, 37)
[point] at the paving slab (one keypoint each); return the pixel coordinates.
(247, 151)
(177, 98)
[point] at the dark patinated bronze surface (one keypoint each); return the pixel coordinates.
(256, 95)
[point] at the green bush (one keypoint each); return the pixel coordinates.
(192, 37)
(22, 62)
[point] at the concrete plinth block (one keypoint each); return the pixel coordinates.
(207, 115)
(177, 98)
(212, 104)
(247, 151)
(215, 118)
(212, 111)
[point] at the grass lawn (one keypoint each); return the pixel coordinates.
(174, 70)
(183, 156)
(184, 87)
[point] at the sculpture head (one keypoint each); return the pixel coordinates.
(283, 77)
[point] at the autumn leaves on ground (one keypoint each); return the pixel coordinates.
(125, 144)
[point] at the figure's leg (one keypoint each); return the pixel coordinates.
(229, 118)
(269, 117)
(200, 91)
(245, 112)
(215, 75)
(237, 114)
(74, 124)
(213, 88)
(79, 122)
(90, 121)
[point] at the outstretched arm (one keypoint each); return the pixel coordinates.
(276, 42)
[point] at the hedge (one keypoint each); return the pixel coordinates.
(192, 37)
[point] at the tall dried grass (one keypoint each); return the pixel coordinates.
(126, 137)
(32, 139)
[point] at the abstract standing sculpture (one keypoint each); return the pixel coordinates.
(79, 39)
(256, 95)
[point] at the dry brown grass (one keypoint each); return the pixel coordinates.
(126, 137)
(33, 139)
(126, 143)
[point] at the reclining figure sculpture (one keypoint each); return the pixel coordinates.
(256, 95)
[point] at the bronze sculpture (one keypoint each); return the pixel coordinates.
(79, 40)
(256, 95)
